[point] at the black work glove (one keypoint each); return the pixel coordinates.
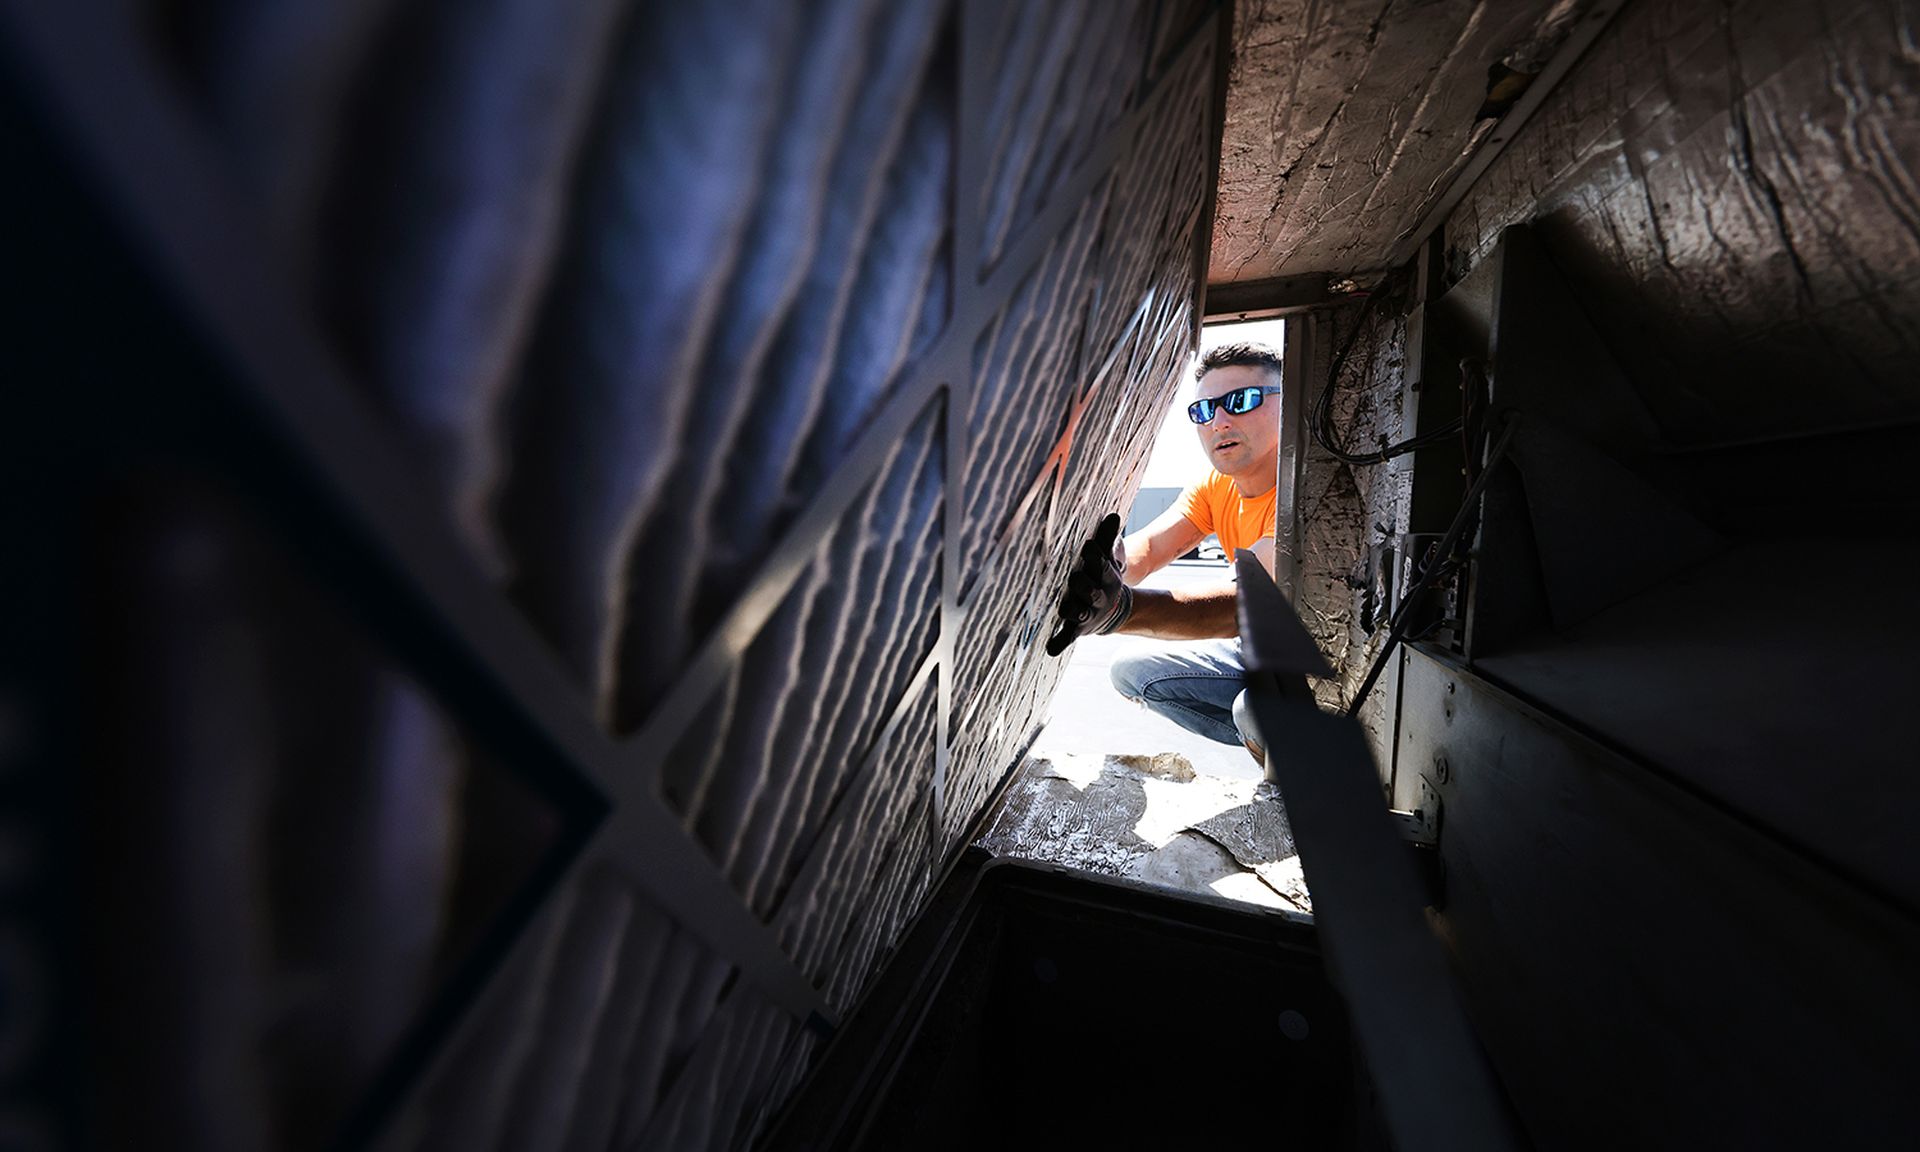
(1097, 599)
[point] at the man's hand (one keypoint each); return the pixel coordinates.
(1097, 600)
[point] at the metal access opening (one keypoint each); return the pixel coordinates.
(1046, 1009)
(1140, 771)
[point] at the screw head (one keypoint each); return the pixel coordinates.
(1442, 771)
(1293, 1025)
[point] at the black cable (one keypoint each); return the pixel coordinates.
(1320, 419)
(1418, 586)
(1466, 423)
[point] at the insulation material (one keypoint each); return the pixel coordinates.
(1346, 121)
(1760, 257)
(1726, 184)
(1734, 186)
(1346, 508)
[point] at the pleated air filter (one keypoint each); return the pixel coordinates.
(589, 512)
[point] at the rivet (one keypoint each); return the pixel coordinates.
(1293, 1025)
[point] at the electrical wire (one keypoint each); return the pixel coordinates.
(1417, 588)
(1320, 419)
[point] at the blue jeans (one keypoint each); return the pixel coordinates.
(1197, 685)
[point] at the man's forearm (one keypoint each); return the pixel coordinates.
(1183, 614)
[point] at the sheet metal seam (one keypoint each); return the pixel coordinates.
(1837, 883)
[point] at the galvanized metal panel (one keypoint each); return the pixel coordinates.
(1552, 843)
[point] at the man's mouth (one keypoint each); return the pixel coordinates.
(1223, 445)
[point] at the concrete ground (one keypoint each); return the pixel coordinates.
(1112, 788)
(1090, 718)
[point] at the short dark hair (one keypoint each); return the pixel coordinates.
(1241, 354)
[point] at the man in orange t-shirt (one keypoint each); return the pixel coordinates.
(1196, 685)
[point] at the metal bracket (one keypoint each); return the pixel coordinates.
(1420, 826)
(1436, 1091)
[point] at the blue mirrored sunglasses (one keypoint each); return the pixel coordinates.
(1237, 402)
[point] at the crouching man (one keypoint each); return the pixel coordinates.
(1197, 683)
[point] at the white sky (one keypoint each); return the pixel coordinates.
(1177, 460)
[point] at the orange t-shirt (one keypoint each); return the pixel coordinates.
(1215, 505)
